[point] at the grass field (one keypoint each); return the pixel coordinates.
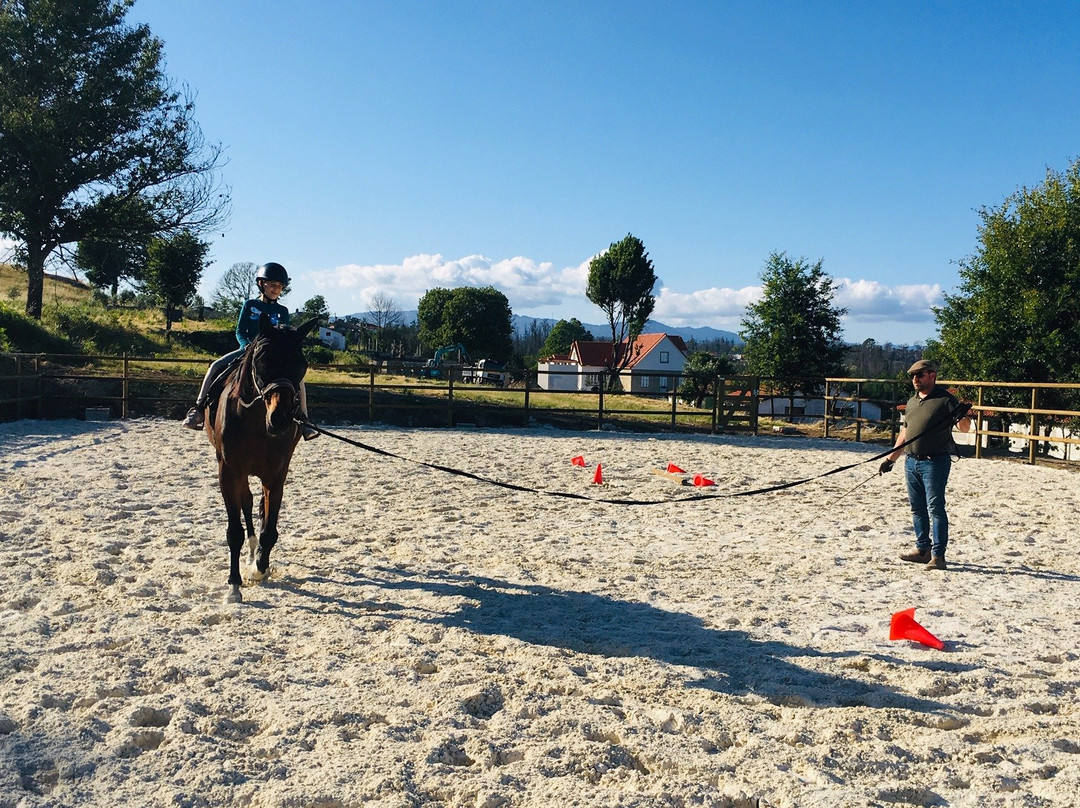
(58, 291)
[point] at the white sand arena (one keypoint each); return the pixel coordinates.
(430, 640)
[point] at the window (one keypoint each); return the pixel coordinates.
(644, 381)
(665, 357)
(663, 383)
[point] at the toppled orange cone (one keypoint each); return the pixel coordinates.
(577, 461)
(702, 482)
(673, 469)
(904, 627)
(598, 478)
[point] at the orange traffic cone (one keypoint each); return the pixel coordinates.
(904, 627)
(702, 481)
(598, 478)
(673, 469)
(577, 461)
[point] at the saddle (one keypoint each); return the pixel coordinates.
(217, 385)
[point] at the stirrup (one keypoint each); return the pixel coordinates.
(308, 431)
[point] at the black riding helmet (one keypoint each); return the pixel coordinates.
(272, 272)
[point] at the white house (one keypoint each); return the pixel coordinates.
(652, 357)
(332, 339)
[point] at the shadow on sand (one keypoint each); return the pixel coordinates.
(726, 661)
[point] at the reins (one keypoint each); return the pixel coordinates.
(568, 495)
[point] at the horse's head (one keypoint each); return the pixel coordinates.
(277, 366)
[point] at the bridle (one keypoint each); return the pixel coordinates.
(263, 390)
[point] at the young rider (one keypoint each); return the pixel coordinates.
(272, 279)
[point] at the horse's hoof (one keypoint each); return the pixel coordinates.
(234, 595)
(259, 575)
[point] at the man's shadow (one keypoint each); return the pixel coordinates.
(729, 662)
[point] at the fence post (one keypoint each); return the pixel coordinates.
(978, 424)
(1033, 429)
(826, 400)
(124, 389)
(674, 401)
(600, 405)
(858, 412)
(37, 383)
(755, 404)
(717, 386)
(450, 400)
(371, 395)
(525, 416)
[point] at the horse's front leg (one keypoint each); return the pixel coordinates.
(271, 501)
(237, 496)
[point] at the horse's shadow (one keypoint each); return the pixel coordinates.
(727, 661)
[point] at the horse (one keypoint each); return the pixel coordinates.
(252, 426)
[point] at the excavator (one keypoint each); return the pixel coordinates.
(434, 367)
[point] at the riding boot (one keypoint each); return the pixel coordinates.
(307, 429)
(195, 416)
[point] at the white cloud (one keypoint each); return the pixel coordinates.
(870, 300)
(899, 313)
(526, 283)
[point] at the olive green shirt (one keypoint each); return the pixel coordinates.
(933, 416)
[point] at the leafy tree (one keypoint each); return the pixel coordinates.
(700, 371)
(236, 287)
(563, 335)
(173, 268)
(793, 333)
(314, 307)
(1014, 316)
(89, 124)
(478, 318)
(106, 261)
(621, 280)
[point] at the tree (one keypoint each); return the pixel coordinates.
(700, 372)
(88, 125)
(236, 287)
(384, 312)
(621, 280)
(1014, 316)
(478, 318)
(563, 335)
(174, 266)
(106, 263)
(315, 307)
(793, 333)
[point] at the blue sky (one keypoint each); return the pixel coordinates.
(392, 147)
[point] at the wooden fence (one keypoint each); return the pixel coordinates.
(64, 386)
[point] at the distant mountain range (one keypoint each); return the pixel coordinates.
(523, 323)
(603, 331)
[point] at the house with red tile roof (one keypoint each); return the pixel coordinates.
(656, 360)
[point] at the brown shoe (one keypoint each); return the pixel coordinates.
(936, 563)
(921, 557)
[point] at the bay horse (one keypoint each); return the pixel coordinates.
(252, 426)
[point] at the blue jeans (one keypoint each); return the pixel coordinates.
(926, 481)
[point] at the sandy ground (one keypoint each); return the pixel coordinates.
(430, 640)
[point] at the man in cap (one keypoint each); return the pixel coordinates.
(928, 417)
